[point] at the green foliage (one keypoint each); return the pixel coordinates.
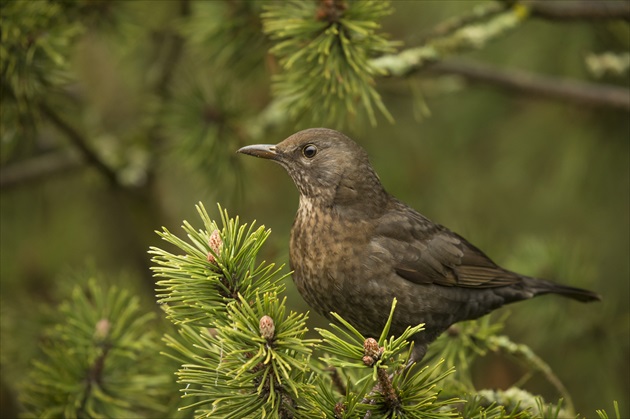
(203, 119)
(100, 360)
(212, 22)
(242, 356)
(603, 415)
(415, 393)
(196, 291)
(36, 36)
(461, 344)
(184, 89)
(254, 346)
(346, 341)
(324, 48)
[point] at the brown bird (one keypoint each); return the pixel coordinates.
(354, 248)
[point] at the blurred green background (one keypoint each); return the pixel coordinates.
(165, 92)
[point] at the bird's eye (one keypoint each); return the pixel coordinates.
(309, 151)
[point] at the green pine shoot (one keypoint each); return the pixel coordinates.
(195, 289)
(324, 50)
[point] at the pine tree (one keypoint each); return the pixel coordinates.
(235, 349)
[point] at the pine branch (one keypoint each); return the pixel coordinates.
(391, 388)
(255, 346)
(198, 285)
(100, 360)
(324, 49)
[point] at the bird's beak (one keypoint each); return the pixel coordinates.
(264, 151)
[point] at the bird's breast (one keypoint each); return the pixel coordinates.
(325, 254)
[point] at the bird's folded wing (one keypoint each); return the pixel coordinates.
(427, 253)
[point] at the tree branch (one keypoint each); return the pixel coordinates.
(474, 31)
(42, 166)
(579, 9)
(584, 93)
(173, 55)
(80, 143)
(466, 38)
(451, 25)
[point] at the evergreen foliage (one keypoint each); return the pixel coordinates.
(212, 22)
(233, 347)
(100, 360)
(254, 345)
(324, 48)
(241, 355)
(33, 60)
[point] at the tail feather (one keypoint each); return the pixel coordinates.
(542, 286)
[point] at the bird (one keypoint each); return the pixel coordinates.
(354, 248)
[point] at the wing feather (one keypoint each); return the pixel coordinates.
(428, 253)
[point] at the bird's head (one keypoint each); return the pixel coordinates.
(325, 165)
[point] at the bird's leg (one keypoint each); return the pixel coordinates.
(337, 380)
(419, 351)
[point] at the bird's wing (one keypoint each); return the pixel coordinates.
(427, 253)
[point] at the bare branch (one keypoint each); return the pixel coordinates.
(478, 14)
(584, 93)
(466, 38)
(35, 168)
(579, 9)
(80, 144)
(173, 55)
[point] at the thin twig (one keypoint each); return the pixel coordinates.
(467, 38)
(176, 48)
(80, 143)
(451, 25)
(161, 87)
(94, 377)
(579, 10)
(524, 353)
(42, 166)
(584, 93)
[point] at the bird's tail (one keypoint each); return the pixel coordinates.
(542, 286)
